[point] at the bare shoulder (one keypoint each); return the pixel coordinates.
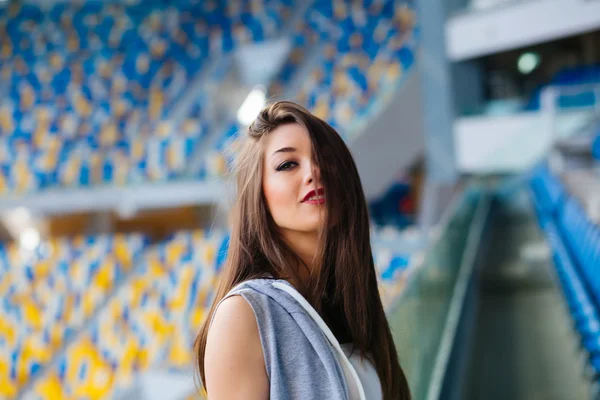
(234, 354)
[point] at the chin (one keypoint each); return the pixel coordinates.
(312, 228)
(307, 227)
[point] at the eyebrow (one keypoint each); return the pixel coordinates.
(285, 150)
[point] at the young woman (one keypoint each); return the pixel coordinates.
(297, 314)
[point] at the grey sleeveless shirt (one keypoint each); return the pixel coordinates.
(300, 358)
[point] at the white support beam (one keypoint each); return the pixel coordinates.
(122, 199)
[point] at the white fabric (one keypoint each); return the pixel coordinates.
(366, 373)
(361, 377)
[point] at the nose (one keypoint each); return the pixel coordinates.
(313, 174)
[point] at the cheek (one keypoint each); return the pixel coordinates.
(279, 196)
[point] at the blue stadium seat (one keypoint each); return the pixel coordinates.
(596, 367)
(596, 145)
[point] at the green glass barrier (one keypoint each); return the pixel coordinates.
(418, 318)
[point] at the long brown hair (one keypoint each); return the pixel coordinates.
(343, 289)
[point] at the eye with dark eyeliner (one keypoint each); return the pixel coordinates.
(285, 166)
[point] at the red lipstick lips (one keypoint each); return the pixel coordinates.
(315, 197)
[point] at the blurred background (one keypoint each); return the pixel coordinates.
(474, 125)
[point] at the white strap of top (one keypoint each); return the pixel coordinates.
(330, 336)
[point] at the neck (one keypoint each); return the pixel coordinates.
(305, 246)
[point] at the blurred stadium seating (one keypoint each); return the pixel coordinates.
(584, 79)
(575, 242)
(88, 89)
(352, 75)
(50, 295)
(88, 318)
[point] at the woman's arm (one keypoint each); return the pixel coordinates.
(234, 364)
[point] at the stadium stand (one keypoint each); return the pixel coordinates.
(353, 75)
(373, 48)
(575, 242)
(89, 86)
(152, 319)
(50, 295)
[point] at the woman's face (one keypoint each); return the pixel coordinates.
(290, 180)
